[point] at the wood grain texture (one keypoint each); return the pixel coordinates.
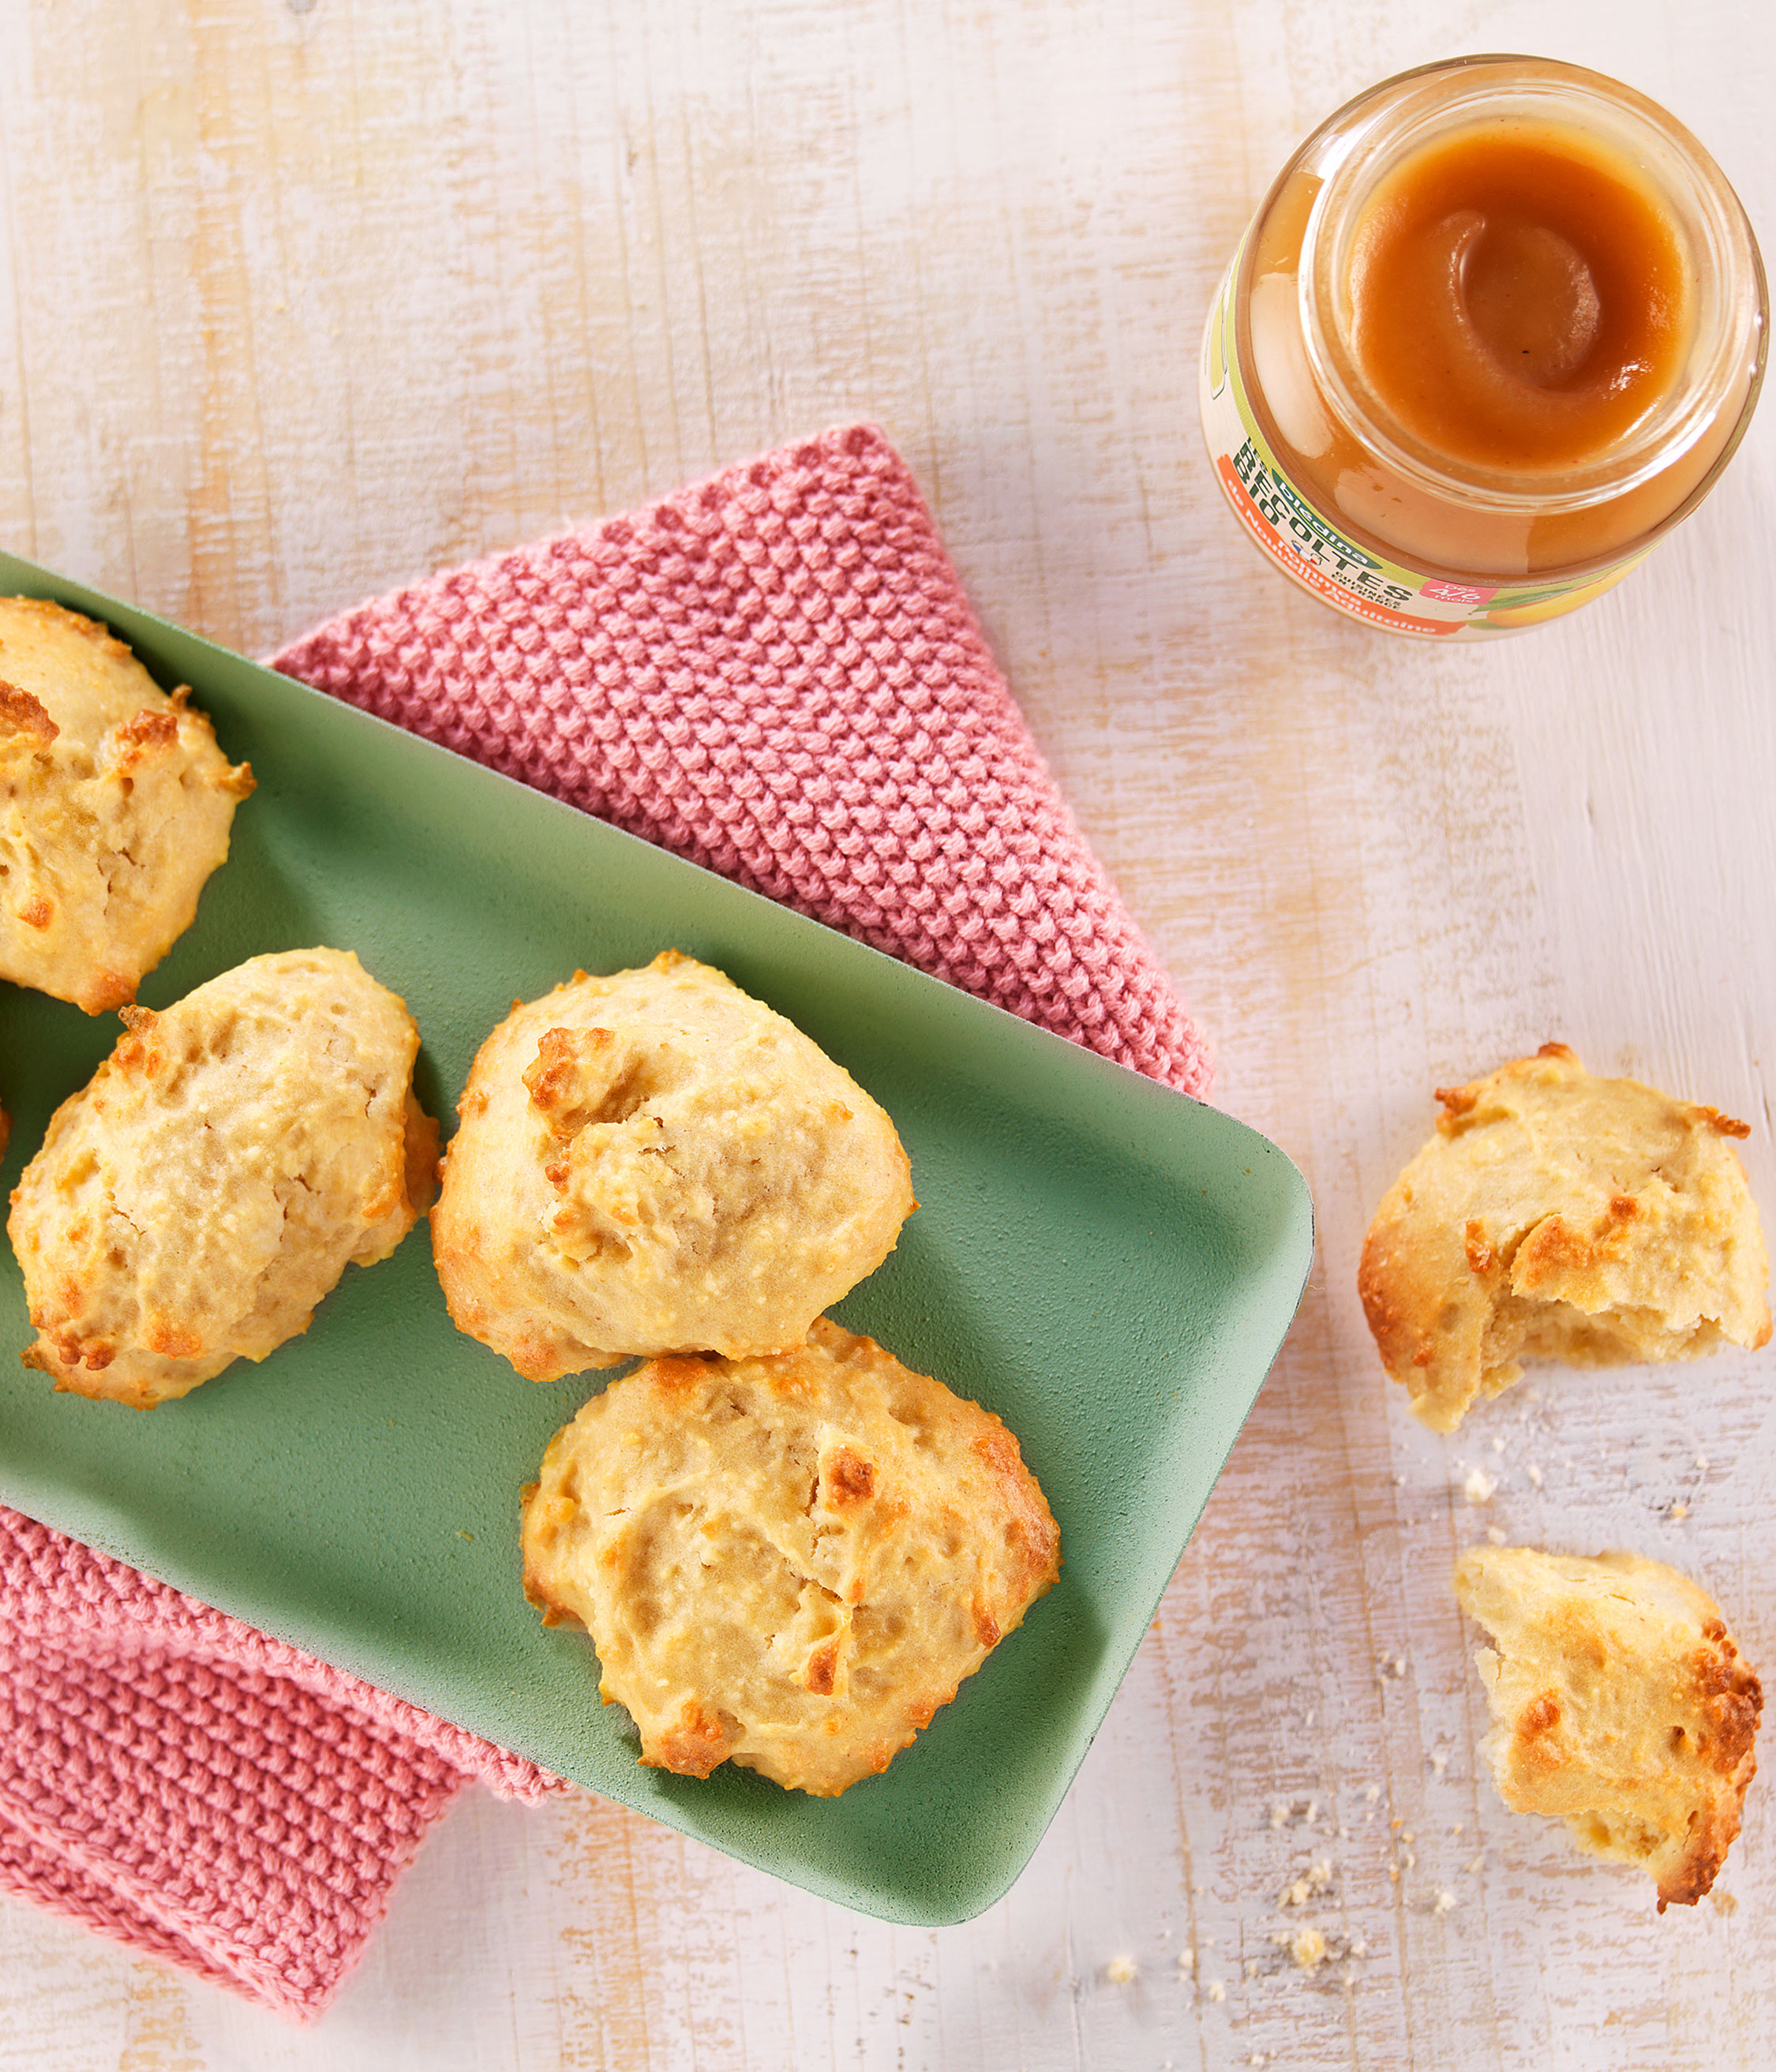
(298, 301)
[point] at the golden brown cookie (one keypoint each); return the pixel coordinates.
(1555, 1216)
(192, 1204)
(1620, 1705)
(789, 1562)
(654, 1162)
(115, 806)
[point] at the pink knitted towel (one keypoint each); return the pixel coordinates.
(192, 1788)
(776, 674)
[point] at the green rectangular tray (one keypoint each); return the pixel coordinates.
(1109, 1265)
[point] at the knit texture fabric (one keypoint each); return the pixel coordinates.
(776, 674)
(189, 1787)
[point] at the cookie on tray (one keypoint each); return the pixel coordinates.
(1620, 1705)
(788, 1562)
(1558, 1215)
(655, 1162)
(192, 1204)
(115, 807)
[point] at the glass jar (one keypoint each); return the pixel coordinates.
(1497, 328)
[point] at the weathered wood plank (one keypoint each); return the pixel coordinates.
(298, 301)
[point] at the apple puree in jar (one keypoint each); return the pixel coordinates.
(1517, 300)
(1496, 329)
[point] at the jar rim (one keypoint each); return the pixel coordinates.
(1385, 125)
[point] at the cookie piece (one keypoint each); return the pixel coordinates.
(195, 1202)
(653, 1162)
(1620, 1705)
(789, 1562)
(1558, 1216)
(115, 807)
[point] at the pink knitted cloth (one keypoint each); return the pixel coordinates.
(776, 674)
(192, 1788)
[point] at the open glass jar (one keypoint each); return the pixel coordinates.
(1496, 328)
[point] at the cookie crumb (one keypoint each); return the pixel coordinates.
(1308, 1949)
(1312, 1882)
(1217, 1990)
(1445, 1902)
(1479, 1486)
(1121, 1970)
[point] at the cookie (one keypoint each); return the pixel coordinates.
(1621, 1705)
(192, 1204)
(654, 1162)
(115, 807)
(788, 1562)
(1556, 1215)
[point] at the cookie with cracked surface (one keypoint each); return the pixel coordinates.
(1621, 1705)
(193, 1204)
(654, 1162)
(115, 808)
(789, 1562)
(1559, 1215)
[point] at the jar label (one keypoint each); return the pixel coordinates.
(1310, 548)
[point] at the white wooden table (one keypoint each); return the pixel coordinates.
(298, 300)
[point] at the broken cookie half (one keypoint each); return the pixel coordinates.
(1621, 1705)
(1558, 1215)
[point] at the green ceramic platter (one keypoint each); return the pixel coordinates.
(1110, 1266)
